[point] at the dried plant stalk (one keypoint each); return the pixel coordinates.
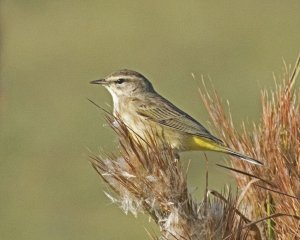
(146, 179)
(275, 140)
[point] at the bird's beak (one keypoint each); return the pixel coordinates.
(99, 81)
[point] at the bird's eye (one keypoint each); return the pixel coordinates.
(120, 80)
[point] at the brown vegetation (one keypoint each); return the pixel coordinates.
(275, 189)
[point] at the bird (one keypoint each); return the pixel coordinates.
(142, 109)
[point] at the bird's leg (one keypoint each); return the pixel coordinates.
(176, 156)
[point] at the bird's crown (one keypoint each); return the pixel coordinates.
(126, 73)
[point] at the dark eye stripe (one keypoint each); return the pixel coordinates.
(120, 81)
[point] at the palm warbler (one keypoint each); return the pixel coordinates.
(141, 108)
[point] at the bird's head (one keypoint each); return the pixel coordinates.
(125, 82)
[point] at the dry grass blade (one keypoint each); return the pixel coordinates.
(246, 174)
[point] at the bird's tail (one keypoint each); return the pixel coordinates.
(241, 156)
(212, 145)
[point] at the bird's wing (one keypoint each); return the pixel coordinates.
(165, 113)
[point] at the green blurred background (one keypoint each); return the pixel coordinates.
(50, 50)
